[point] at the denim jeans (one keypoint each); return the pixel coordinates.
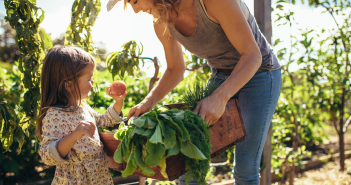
(257, 101)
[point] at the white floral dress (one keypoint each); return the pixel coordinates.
(85, 163)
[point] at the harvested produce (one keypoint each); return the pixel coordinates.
(118, 88)
(156, 135)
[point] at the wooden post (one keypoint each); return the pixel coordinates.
(262, 13)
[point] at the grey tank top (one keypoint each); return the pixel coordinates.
(211, 43)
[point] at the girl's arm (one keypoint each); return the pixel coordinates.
(65, 145)
(172, 76)
(232, 20)
(113, 113)
(58, 139)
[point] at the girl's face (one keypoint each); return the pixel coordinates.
(142, 5)
(86, 81)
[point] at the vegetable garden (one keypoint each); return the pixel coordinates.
(314, 98)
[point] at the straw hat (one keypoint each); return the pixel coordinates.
(111, 4)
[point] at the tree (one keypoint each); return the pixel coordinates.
(333, 67)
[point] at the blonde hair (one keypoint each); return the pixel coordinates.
(164, 8)
(62, 64)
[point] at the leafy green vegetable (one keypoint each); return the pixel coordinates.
(156, 151)
(155, 135)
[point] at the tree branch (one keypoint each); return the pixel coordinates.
(154, 79)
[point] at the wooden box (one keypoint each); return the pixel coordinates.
(227, 131)
(175, 165)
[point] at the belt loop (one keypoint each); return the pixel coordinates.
(213, 72)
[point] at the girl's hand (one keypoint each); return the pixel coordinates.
(84, 128)
(210, 108)
(142, 107)
(119, 100)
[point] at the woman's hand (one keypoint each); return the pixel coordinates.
(211, 108)
(84, 128)
(142, 107)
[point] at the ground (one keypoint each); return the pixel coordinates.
(328, 174)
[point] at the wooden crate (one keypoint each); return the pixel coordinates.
(229, 130)
(175, 165)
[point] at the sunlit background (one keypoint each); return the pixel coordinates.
(112, 29)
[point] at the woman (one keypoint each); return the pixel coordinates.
(243, 66)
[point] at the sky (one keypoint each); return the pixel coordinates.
(118, 26)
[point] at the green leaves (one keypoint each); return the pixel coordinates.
(84, 15)
(32, 41)
(125, 61)
(154, 136)
(190, 150)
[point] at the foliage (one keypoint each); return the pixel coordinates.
(198, 65)
(25, 166)
(127, 60)
(330, 67)
(83, 17)
(156, 135)
(196, 93)
(311, 95)
(32, 43)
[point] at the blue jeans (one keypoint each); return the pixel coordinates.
(257, 100)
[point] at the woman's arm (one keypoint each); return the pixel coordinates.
(172, 76)
(233, 22)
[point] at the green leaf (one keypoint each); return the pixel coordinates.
(144, 168)
(156, 151)
(139, 122)
(171, 124)
(157, 136)
(169, 135)
(148, 133)
(150, 123)
(175, 150)
(131, 166)
(46, 39)
(139, 131)
(190, 150)
(163, 166)
(20, 137)
(7, 140)
(118, 155)
(121, 133)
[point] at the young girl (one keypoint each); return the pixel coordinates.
(67, 126)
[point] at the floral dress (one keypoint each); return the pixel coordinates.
(85, 163)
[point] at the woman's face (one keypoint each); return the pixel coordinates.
(142, 5)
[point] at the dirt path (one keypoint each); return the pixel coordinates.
(328, 174)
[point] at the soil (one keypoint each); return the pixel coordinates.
(328, 174)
